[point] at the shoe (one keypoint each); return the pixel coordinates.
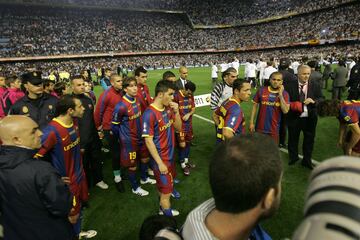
(173, 212)
(282, 145)
(102, 185)
(140, 192)
(120, 186)
(175, 194)
(148, 180)
(105, 150)
(308, 165)
(292, 162)
(190, 165)
(150, 172)
(87, 234)
(186, 170)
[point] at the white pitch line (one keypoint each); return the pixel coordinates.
(281, 149)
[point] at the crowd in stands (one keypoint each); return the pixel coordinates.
(44, 31)
(170, 61)
(214, 12)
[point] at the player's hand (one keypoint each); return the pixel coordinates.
(163, 168)
(281, 90)
(182, 144)
(308, 101)
(252, 127)
(73, 219)
(174, 106)
(101, 134)
(186, 117)
(66, 180)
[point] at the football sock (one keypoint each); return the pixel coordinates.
(143, 170)
(117, 177)
(132, 179)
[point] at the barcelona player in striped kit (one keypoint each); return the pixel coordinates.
(127, 127)
(348, 113)
(229, 117)
(159, 122)
(185, 99)
(61, 140)
(272, 101)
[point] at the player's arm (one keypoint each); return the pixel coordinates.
(149, 141)
(252, 118)
(99, 112)
(48, 141)
(116, 120)
(355, 137)
(232, 122)
(177, 122)
(342, 130)
(284, 105)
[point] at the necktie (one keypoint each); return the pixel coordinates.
(302, 94)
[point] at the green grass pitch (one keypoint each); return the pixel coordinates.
(119, 215)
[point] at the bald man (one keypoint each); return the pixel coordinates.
(180, 83)
(35, 202)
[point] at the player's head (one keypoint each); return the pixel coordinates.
(183, 71)
(190, 88)
(328, 108)
(140, 74)
(33, 83)
(19, 130)
(129, 86)
(152, 226)
(69, 105)
(13, 82)
(84, 73)
(87, 86)
(244, 177)
(229, 75)
(48, 86)
(304, 72)
(276, 80)
(61, 88)
(164, 92)
(116, 81)
(241, 89)
(77, 84)
(169, 76)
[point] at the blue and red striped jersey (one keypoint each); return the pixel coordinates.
(158, 123)
(350, 111)
(231, 117)
(186, 105)
(269, 113)
(127, 123)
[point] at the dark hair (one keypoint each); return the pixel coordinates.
(47, 83)
(241, 174)
(108, 69)
(328, 108)
(167, 74)
(228, 71)
(139, 70)
(313, 64)
(59, 87)
(126, 81)
(153, 224)
(342, 63)
(163, 86)
(76, 77)
(64, 103)
(276, 73)
(10, 79)
(238, 84)
(190, 86)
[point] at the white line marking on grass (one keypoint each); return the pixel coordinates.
(281, 149)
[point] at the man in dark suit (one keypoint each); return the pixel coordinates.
(180, 83)
(302, 117)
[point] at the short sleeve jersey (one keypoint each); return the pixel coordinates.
(269, 114)
(186, 105)
(158, 123)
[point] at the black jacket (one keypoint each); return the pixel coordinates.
(35, 203)
(314, 92)
(88, 132)
(41, 111)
